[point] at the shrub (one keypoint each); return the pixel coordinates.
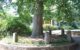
(19, 27)
(60, 40)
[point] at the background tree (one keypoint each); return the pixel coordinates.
(9, 16)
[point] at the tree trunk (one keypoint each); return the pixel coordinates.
(38, 19)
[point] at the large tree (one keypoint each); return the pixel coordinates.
(63, 12)
(38, 19)
(28, 7)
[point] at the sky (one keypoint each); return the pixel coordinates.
(11, 11)
(14, 0)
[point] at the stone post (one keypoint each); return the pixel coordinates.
(47, 38)
(69, 36)
(15, 37)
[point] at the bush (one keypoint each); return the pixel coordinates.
(20, 28)
(61, 40)
(13, 24)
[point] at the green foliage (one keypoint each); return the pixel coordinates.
(23, 11)
(60, 41)
(66, 10)
(20, 28)
(49, 27)
(13, 25)
(10, 23)
(69, 25)
(48, 15)
(61, 10)
(66, 27)
(3, 24)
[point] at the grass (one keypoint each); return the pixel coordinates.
(34, 42)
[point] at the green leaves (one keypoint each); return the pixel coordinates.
(23, 11)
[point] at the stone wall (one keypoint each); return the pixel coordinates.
(16, 47)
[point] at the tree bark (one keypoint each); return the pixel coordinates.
(38, 19)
